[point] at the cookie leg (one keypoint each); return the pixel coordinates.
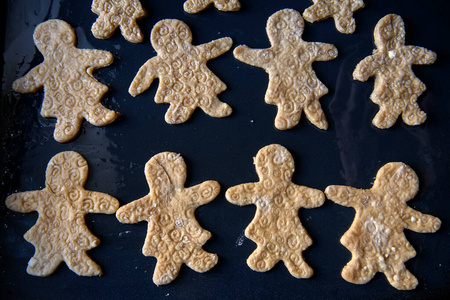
(356, 272)
(401, 279)
(261, 261)
(43, 263)
(385, 118)
(103, 28)
(178, 113)
(201, 261)
(315, 115)
(288, 115)
(67, 129)
(216, 108)
(82, 264)
(297, 266)
(413, 115)
(345, 24)
(130, 30)
(166, 270)
(99, 115)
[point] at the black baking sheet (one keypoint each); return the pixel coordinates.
(350, 152)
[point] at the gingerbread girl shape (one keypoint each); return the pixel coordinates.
(341, 11)
(174, 236)
(276, 227)
(60, 233)
(293, 84)
(118, 13)
(194, 6)
(396, 87)
(71, 92)
(185, 80)
(376, 237)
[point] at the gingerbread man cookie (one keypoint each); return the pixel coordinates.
(341, 11)
(71, 92)
(396, 87)
(194, 6)
(376, 237)
(185, 80)
(293, 84)
(276, 227)
(118, 13)
(174, 236)
(60, 233)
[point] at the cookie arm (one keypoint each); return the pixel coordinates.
(144, 78)
(136, 211)
(308, 197)
(255, 57)
(23, 202)
(343, 195)
(101, 203)
(418, 222)
(204, 192)
(242, 194)
(97, 59)
(422, 56)
(215, 48)
(325, 52)
(365, 68)
(30, 82)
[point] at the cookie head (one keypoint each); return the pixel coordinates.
(53, 34)
(398, 179)
(65, 171)
(274, 161)
(286, 24)
(389, 32)
(164, 171)
(170, 35)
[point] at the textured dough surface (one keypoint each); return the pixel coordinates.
(194, 6)
(341, 11)
(174, 236)
(184, 79)
(276, 227)
(118, 13)
(293, 84)
(376, 237)
(71, 93)
(396, 87)
(60, 233)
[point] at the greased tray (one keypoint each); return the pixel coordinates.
(350, 153)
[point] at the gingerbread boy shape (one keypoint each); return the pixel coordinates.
(71, 92)
(117, 13)
(341, 11)
(185, 80)
(60, 233)
(293, 84)
(194, 6)
(276, 227)
(174, 236)
(396, 87)
(376, 237)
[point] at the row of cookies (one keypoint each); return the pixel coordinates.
(73, 94)
(174, 237)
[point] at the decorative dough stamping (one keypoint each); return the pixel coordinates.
(376, 237)
(118, 13)
(276, 227)
(396, 87)
(194, 6)
(60, 233)
(174, 236)
(185, 80)
(341, 11)
(293, 84)
(71, 93)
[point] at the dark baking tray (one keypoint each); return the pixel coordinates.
(350, 152)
